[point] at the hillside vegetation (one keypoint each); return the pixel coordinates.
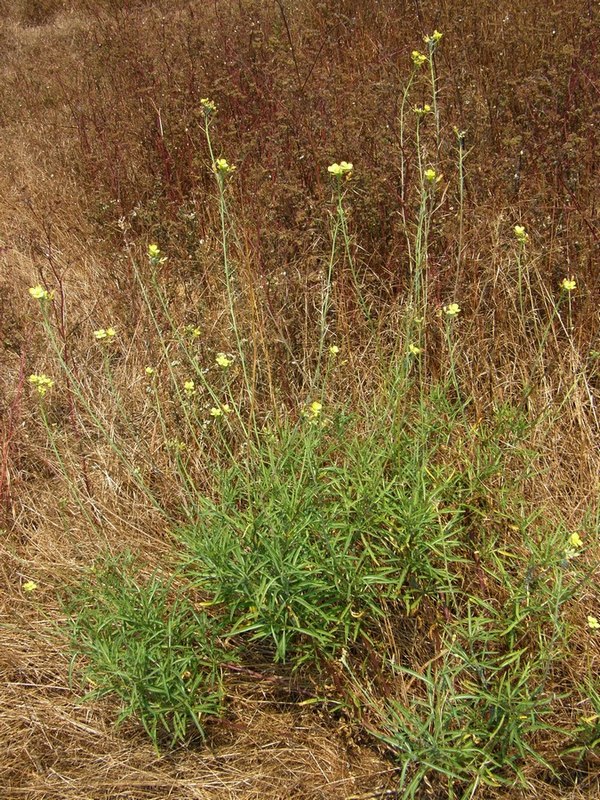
(299, 464)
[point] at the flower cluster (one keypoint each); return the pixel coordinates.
(431, 176)
(219, 411)
(30, 586)
(593, 623)
(418, 58)
(452, 310)
(420, 111)
(341, 170)
(432, 41)
(207, 106)
(223, 167)
(313, 410)
(189, 387)
(521, 234)
(223, 360)
(39, 293)
(334, 349)
(568, 284)
(42, 383)
(107, 334)
(574, 546)
(193, 331)
(155, 256)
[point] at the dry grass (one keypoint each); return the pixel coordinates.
(102, 152)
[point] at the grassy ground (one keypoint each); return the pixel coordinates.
(299, 457)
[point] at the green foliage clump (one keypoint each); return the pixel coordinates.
(469, 723)
(145, 643)
(313, 540)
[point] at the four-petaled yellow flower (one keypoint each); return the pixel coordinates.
(223, 360)
(418, 58)
(334, 349)
(189, 387)
(452, 310)
(521, 234)
(568, 284)
(432, 176)
(30, 586)
(105, 333)
(575, 540)
(223, 167)
(414, 349)
(344, 168)
(42, 383)
(207, 106)
(593, 623)
(39, 293)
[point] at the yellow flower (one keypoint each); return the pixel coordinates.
(226, 409)
(432, 176)
(223, 360)
(105, 333)
(155, 256)
(593, 623)
(39, 293)
(433, 39)
(149, 371)
(189, 387)
(334, 349)
(194, 331)
(568, 284)
(222, 167)
(42, 383)
(452, 310)
(418, 58)
(215, 412)
(575, 540)
(521, 234)
(207, 106)
(313, 410)
(30, 586)
(421, 110)
(414, 349)
(341, 169)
